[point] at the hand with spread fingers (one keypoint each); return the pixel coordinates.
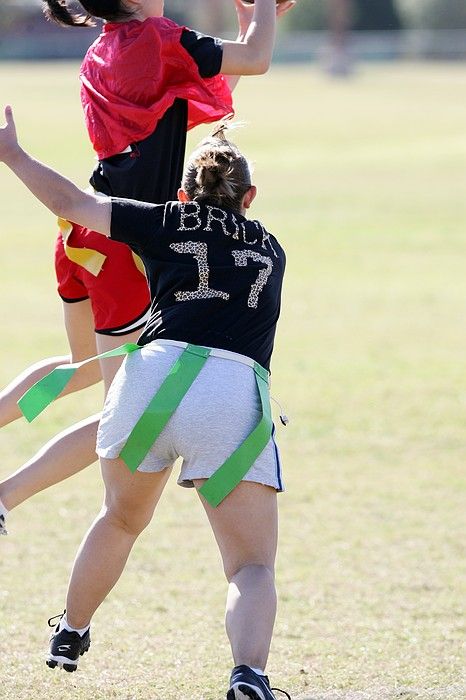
(8, 139)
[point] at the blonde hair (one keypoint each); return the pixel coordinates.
(217, 172)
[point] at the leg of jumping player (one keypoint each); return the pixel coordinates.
(129, 503)
(73, 449)
(79, 325)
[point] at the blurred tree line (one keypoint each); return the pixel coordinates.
(309, 14)
(367, 14)
(384, 14)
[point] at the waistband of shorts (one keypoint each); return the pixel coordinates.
(214, 352)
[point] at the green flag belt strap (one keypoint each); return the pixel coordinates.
(165, 402)
(235, 468)
(47, 389)
(168, 398)
(214, 352)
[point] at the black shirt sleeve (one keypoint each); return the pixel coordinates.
(206, 51)
(136, 223)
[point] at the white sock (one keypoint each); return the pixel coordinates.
(65, 626)
(3, 510)
(259, 671)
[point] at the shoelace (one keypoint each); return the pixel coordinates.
(55, 617)
(282, 691)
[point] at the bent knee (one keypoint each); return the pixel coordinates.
(253, 568)
(130, 521)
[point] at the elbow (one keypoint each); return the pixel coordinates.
(263, 66)
(58, 208)
(260, 64)
(63, 207)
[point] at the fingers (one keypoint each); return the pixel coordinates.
(9, 115)
(285, 7)
(243, 7)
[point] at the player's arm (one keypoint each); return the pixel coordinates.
(252, 55)
(245, 14)
(56, 192)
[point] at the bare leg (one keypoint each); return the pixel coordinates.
(80, 328)
(111, 365)
(129, 504)
(245, 527)
(74, 449)
(62, 457)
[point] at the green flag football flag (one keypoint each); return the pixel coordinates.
(159, 411)
(235, 468)
(47, 389)
(163, 405)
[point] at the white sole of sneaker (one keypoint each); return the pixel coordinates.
(241, 691)
(60, 661)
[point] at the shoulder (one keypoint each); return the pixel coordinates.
(160, 26)
(171, 214)
(135, 222)
(267, 241)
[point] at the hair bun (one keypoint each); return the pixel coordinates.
(213, 169)
(217, 173)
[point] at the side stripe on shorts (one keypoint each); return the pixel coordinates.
(278, 463)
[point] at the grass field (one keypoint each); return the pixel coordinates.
(364, 182)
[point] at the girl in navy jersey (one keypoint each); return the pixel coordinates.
(215, 280)
(144, 82)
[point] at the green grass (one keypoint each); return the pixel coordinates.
(364, 182)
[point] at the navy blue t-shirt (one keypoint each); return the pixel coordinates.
(215, 277)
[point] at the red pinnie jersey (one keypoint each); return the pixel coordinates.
(133, 73)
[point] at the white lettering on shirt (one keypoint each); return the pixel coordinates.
(243, 227)
(194, 215)
(241, 260)
(267, 239)
(199, 251)
(221, 218)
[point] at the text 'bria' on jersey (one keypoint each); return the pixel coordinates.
(215, 277)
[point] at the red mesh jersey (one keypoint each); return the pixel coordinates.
(133, 73)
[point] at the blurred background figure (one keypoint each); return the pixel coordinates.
(338, 60)
(343, 16)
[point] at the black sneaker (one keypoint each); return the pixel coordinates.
(245, 684)
(66, 647)
(3, 530)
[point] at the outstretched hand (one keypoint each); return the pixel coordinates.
(245, 12)
(8, 138)
(285, 7)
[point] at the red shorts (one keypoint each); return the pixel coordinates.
(119, 294)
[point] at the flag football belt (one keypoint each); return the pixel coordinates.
(163, 405)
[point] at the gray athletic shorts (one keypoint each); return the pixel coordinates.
(219, 411)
